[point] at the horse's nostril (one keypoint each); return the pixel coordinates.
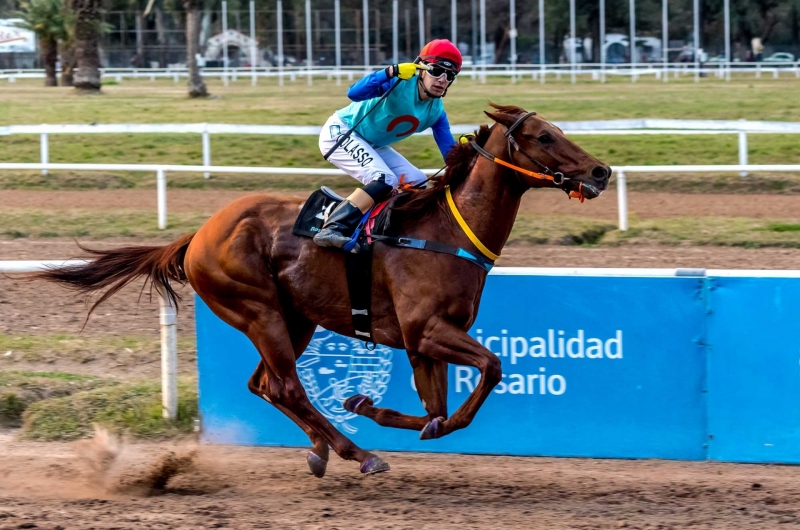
(600, 173)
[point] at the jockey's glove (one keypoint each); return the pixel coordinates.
(407, 70)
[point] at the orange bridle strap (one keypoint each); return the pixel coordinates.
(541, 176)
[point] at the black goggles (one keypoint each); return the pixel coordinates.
(436, 71)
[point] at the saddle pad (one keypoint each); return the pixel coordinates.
(312, 216)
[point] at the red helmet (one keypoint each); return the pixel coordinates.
(442, 52)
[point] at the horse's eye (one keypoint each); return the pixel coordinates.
(546, 139)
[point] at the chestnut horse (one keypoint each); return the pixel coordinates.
(275, 287)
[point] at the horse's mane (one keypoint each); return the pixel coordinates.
(459, 162)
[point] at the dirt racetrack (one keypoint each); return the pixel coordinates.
(645, 205)
(48, 486)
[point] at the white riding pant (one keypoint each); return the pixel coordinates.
(362, 161)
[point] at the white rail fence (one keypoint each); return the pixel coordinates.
(168, 322)
(741, 128)
(536, 72)
(161, 178)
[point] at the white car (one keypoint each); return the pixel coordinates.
(780, 57)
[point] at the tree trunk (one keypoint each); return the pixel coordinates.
(67, 64)
(140, 59)
(162, 39)
(49, 49)
(87, 56)
(197, 88)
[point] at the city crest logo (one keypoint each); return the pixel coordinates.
(335, 367)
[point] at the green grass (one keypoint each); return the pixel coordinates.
(529, 229)
(79, 349)
(783, 227)
(133, 409)
(162, 101)
(19, 389)
(19, 223)
(296, 103)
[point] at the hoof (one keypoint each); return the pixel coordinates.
(434, 429)
(352, 403)
(374, 464)
(316, 464)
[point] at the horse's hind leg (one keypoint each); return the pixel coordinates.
(258, 314)
(318, 456)
(430, 378)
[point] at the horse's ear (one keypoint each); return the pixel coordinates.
(502, 118)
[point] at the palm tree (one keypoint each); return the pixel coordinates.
(46, 19)
(192, 9)
(197, 88)
(66, 49)
(88, 27)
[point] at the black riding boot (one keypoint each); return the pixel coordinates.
(340, 225)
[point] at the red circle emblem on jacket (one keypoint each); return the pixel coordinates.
(411, 120)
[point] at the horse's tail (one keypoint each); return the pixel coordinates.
(114, 269)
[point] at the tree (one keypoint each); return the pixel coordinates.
(46, 19)
(66, 49)
(197, 88)
(88, 27)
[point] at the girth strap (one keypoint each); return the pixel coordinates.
(435, 246)
(359, 287)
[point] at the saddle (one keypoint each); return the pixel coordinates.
(323, 201)
(374, 226)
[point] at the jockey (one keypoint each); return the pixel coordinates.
(412, 106)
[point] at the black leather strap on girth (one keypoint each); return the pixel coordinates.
(359, 286)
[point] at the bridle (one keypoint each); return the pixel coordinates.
(556, 177)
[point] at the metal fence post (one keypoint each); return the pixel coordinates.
(206, 150)
(253, 49)
(308, 41)
(45, 151)
(225, 42)
(279, 16)
(161, 190)
(169, 358)
(622, 200)
(337, 20)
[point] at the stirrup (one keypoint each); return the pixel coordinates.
(353, 245)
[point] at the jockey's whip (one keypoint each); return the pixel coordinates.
(346, 135)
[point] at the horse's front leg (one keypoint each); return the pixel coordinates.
(430, 378)
(444, 341)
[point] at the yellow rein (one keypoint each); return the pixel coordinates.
(463, 224)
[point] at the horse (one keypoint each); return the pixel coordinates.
(276, 287)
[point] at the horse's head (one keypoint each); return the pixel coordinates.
(537, 145)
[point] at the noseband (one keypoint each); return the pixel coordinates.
(556, 177)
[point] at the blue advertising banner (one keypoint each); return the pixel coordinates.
(592, 366)
(754, 369)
